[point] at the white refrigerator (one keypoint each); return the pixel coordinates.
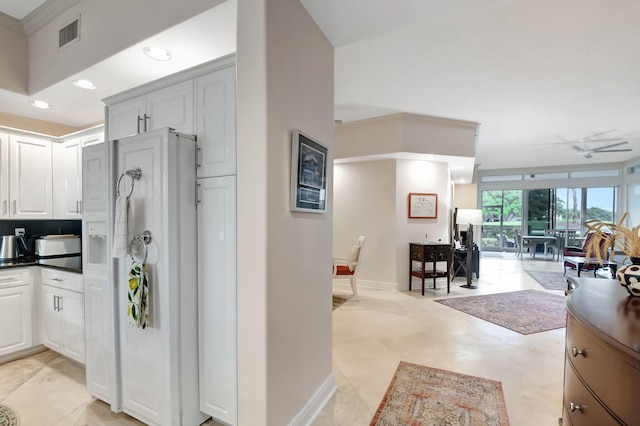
(153, 372)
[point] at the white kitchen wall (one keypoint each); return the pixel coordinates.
(285, 82)
(364, 204)
(371, 199)
(426, 177)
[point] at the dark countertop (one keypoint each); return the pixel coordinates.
(69, 264)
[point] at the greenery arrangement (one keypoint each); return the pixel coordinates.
(611, 237)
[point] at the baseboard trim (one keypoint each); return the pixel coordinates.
(316, 403)
(377, 285)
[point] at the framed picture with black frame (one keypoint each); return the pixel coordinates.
(308, 174)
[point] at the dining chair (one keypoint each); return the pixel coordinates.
(348, 267)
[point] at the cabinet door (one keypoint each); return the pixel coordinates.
(67, 173)
(4, 176)
(217, 297)
(15, 318)
(99, 341)
(30, 178)
(126, 118)
(94, 179)
(216, 123)
(50, 329)
(71, 316)
(171, 107)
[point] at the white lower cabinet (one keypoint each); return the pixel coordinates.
(62, 313)
(16, 300)
(217, 297)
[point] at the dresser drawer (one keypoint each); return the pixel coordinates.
(62, 279)
(610, 375)
(586, 409)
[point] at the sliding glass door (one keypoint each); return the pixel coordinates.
(502, 214)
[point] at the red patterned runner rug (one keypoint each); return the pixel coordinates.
(424, 396)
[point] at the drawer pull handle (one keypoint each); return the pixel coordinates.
(575, 352)
(574, 407)
(57, 279)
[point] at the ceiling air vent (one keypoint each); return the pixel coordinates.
(69, 33)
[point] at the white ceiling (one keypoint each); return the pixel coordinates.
(535, 74)
(539, 75)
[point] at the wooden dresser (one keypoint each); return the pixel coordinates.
(602, 357)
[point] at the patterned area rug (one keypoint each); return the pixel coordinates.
(551, 280)
(338, 299)
(525, 311)
(8, 417)
(427, 396)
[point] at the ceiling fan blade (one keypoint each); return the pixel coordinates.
(611, 145)
(613, 150)
(588, 155)
(580, 149)
(590, 137)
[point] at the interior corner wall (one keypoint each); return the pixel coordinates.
(422, 177)
(285, 82)
(466, 196)
(364, 204)
(14, 67)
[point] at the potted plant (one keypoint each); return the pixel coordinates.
(609, 237)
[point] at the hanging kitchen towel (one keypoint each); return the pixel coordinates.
(138, 295)
(121, 228)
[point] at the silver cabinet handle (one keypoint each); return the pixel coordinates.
(57, 279)
(4, 208)
(55, 302)
(15, 208)
(81, 206)
(146, 117)
(139, 120)
(77, 207)
(575, 352)
(574, 407)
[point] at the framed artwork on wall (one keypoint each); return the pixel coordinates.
(423, 206)
(308, 174)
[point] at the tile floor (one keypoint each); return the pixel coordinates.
(371, 334)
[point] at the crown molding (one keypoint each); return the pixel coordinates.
(11, 23)
(45, 13)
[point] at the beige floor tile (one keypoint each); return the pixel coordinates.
(372, 333)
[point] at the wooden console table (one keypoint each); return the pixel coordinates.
(602, 356)
(430, 253)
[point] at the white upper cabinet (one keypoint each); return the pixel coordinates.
(216, 123)
(171, 106)
(30, 179)
(67, 163)
(4, 176)
(67, 175)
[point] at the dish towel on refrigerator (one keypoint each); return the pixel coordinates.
(138, 295)
(121, 228)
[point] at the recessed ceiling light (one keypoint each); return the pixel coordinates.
(40, 104)
(157, 53)
(84, 84)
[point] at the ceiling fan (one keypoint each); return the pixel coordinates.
(588, 152)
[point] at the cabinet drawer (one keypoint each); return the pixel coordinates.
(416, 253)
(12, 277)
(610, 375)
(590, 412)
(62, 279)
